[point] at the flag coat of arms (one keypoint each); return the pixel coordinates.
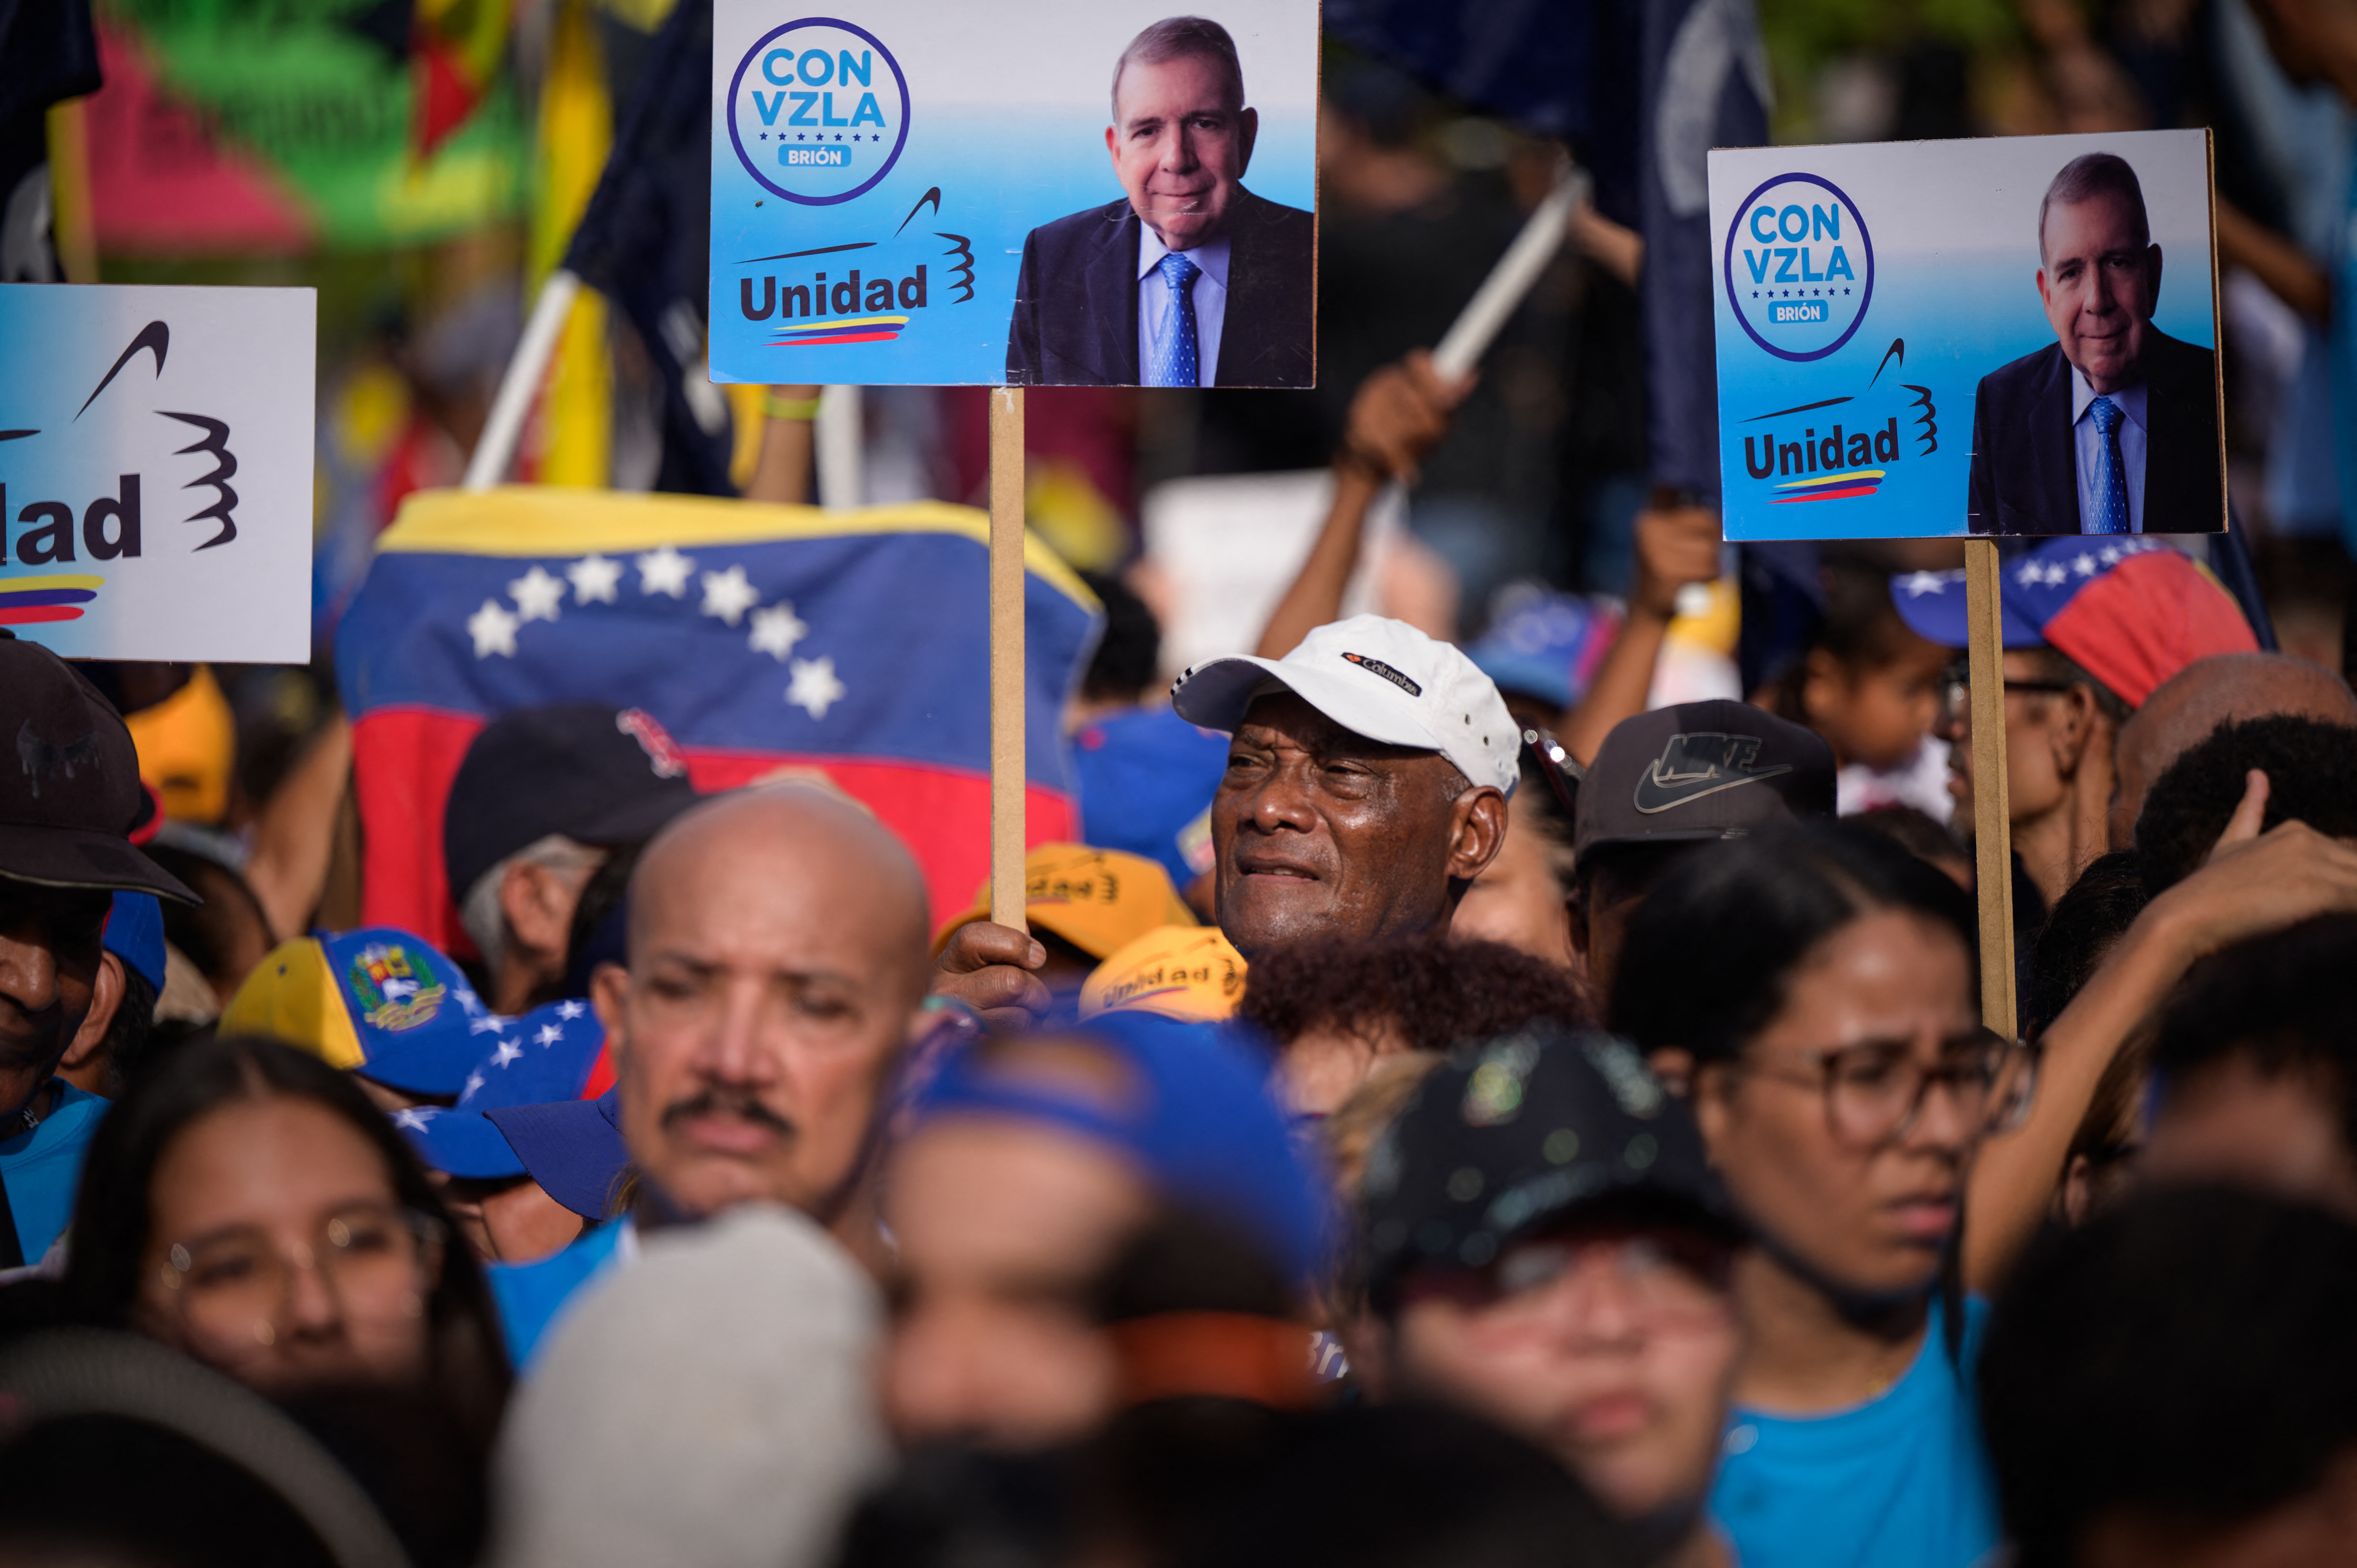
(768, 641)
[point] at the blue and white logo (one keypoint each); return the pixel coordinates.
(818, 110)
(1799, 266)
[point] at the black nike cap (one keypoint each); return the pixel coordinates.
(1701, 770)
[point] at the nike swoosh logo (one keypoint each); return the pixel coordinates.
(1655, 795)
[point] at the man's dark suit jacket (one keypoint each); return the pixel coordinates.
(2025, 470)
(1075, 320)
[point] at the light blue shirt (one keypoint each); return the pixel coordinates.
(1902, 1481)
(532, 1296)
(42, 1167)
(2087, 441)
(1154, 313)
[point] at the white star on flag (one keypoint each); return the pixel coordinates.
(728, 595)
(776, 631)
(537, 596)
(549, 1035)
(2084, 564)
(568, 1011)
(664, 571)
(593, 578)
(474, 1086)
(2029, 575)
(814, 687)
(493, 629)
(2057, 574)
(1922, 582)
(413, 1120)
(2110, 555)
(483, 1027)
(509, 1051)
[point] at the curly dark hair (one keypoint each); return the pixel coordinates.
(2311, 768)
(1432, 991)
(2087, 923)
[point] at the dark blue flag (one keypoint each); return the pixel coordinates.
(643, 241)
(1704, 85)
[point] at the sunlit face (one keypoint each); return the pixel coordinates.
(1317, 831)
(2099, 282)
(1876, 1217)
(1519, 898)
(1180, 140)
(773, 981)
(280, 1254)
(2228, 1121)
(1603, 1348)
(1002, 1227)
(50, 961)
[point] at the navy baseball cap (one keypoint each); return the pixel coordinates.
(553, 1053)
(1196, 1121)
(572, 1148)
(594, 774)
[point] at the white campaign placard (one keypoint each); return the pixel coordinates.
(155, 452)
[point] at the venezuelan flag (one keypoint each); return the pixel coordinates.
(768, 640)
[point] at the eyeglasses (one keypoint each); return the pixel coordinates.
(1563, 774)
(376, 1259)
(1956, 690)
(1664, 1279)
(1875, 1092)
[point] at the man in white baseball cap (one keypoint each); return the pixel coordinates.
(1366, 784)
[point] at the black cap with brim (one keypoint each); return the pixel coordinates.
(1518, 1137)
(69, 857)
(70, 796)
(1701, 770)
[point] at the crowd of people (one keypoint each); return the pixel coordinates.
(1428, 1120)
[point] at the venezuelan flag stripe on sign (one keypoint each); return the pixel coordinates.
(769, 641)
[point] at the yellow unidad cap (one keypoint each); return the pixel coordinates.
(1096, 899)
(1189, 973)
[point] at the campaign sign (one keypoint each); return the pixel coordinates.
(155, 470)
(2005, 336)
(1050, 192)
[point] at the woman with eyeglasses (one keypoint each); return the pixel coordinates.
(1813, 990)
(246, 1204)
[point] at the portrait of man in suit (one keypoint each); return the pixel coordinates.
(2113, 427)
(1189, 280)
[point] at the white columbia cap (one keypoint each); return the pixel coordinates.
(1379, 678)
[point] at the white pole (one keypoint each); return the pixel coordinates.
(842, 479)
(496, 450)
(1469, 336)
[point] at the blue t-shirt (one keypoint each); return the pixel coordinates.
(531, 1296)
(1902, 1481)
(42, 1167)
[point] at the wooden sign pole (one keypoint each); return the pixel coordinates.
(1007, 749)
(1992, 811)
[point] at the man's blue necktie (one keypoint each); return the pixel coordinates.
(1174, 351)
(2111, 477)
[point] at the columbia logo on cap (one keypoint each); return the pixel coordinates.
(1378, 667)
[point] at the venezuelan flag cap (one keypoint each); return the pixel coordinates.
(380, 1002)
(552, 1054)
(2130, 610)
